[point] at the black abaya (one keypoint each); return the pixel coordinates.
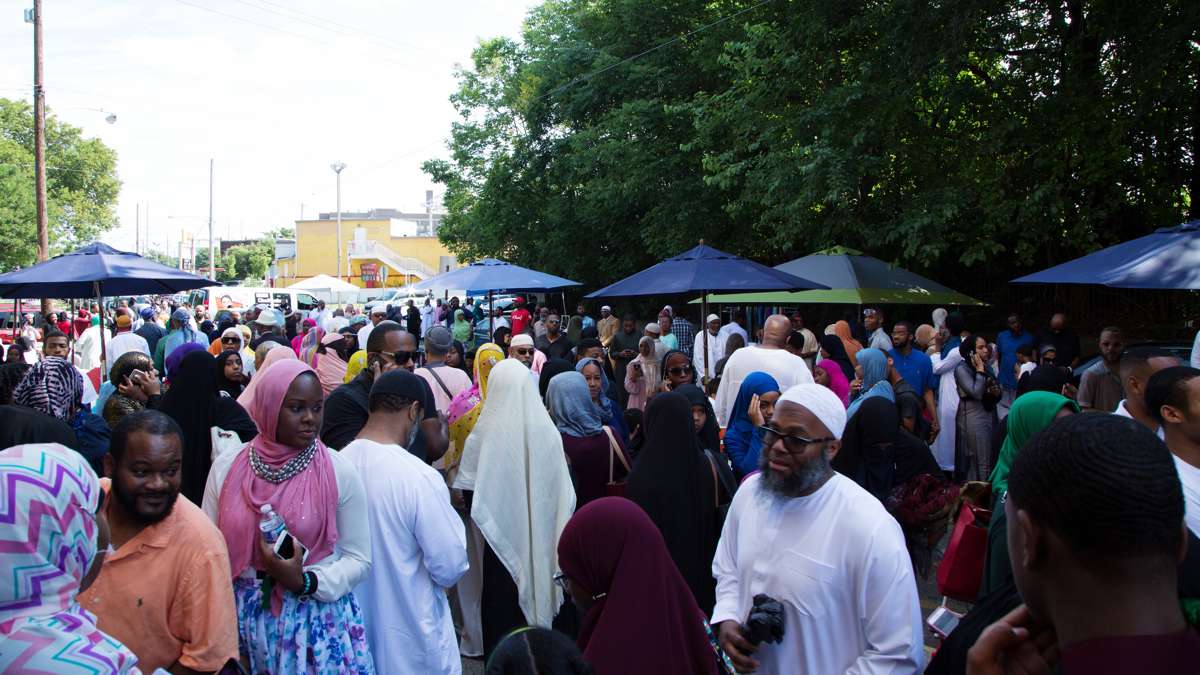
(672, 481)
(196, 405)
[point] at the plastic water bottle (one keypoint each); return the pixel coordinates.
(271, 525)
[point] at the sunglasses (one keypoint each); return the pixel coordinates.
(795, 445)
(680, 370)
(230, 339)
(526, 351)
(401, 358)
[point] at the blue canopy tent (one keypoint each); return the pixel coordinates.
(1167, 259)
(704, 269)
(493, 275)
(95, 271)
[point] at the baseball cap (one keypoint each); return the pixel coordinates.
(438, 338)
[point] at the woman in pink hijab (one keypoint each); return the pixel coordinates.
(296, 614)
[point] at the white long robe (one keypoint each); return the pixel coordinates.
(837, 562)
(787, 369)
(943, 445)
(419, 549)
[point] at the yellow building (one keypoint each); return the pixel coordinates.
(381, 248)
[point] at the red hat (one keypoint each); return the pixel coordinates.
(518, 300)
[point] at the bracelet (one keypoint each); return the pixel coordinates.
(310, 584)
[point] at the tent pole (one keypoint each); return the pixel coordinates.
(491, 318)
(103, 355)
(16, 318)
(704, 331)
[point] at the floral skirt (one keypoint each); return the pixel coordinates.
(308, 636)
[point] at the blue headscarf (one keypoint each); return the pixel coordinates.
(743, 441)
(602, 406)
(571, 406)
(874, 378)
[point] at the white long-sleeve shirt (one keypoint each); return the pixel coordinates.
(836, 560)
(787, 369)
(1195, 360)
(340, 572)
(716, 351)
(420, 549)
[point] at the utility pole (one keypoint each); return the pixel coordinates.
(338, 167)
(39, 142)
(212, 260)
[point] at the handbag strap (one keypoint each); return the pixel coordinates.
(712, 466)
(614, 449)
(439, 380)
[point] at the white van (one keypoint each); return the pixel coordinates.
(243, 297)
(398, 297)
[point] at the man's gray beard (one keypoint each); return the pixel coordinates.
(802, 480)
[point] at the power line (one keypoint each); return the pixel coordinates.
(251, 22)
(347, 29)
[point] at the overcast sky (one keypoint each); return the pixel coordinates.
(273, 96)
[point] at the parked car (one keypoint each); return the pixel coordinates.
(1181, 349)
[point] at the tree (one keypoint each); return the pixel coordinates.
(982, 136)
(81, 186)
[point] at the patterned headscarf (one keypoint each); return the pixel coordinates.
(53, 387)
(48, 498)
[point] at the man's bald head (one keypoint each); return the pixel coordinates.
(776, 330)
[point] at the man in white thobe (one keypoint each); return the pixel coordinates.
(716, 349)
(824, 548)
(771, 357)
(734, 326)
(87, 347)
(418, 541)
(125, 340)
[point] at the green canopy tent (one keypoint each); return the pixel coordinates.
(853, 279)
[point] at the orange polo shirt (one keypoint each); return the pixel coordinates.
(167, 594)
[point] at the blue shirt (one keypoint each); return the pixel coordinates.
(1007, 344)
(916, 369)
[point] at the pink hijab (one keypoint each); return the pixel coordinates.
(331, 369)
(246, 399)
(837, 380)
(308, 501)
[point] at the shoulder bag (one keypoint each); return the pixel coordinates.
(615, 488)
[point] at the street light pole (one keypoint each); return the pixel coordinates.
(212, 260)
(39, 143)
(337, 169)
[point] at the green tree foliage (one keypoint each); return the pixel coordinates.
(938, 135)
(81, 186)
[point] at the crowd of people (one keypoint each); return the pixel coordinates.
(349, 491)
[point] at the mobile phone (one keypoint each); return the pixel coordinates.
(284, 547)
(942, 621)
(137, 376)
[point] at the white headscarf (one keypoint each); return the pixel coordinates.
(939, 317)
(514, 462)
(820, 401)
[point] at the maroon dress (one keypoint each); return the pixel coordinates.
(588, 460)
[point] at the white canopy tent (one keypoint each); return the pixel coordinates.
(329, 289)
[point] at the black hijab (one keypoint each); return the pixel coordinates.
(1043, 378)
(833, 346)
(709, 435)
(877, 453)
(549, 370)
(196, 405)
(234, 389)
(672, 482)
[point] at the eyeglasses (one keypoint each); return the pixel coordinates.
(679, 370)
(401, 358)
(524, 351)
(560, 580)
(793, 444)
(230, 339)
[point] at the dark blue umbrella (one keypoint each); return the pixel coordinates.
(701, 270)
(1167, 259)
(97, 270)
(490, 274)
